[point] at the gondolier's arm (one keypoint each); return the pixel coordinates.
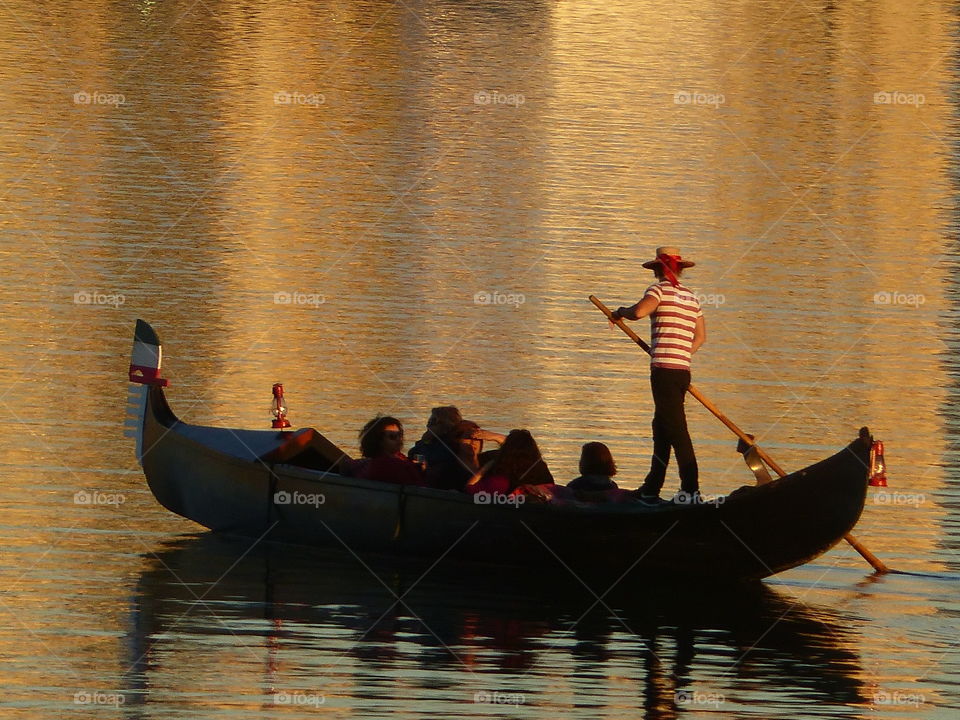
(699, 335)
(638, 310)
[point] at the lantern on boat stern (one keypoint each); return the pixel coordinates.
(279, 408)
(878, 466)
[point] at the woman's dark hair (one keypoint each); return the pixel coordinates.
(464, 429)
(520, 461)
(371, 436)
(596, 459)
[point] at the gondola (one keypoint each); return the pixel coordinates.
(228, 480)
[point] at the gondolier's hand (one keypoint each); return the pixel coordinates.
(617, 314)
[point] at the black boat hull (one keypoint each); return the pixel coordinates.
(212, 476)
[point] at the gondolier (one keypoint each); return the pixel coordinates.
(677, 332)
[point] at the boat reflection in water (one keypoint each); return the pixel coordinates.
(216, 624)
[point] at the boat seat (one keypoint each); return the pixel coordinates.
(306, 448)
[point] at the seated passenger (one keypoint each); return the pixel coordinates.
(441, 423)
(469, 445)
(381, 444)
(436, 450)
(596, 469)
(445, 449)
(519, 463)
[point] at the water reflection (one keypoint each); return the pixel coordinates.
(292, 620)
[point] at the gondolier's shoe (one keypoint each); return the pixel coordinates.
(649, 500)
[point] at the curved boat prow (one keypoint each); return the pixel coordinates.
(146, 357)
(218, 477)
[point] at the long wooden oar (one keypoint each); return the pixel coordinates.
(874, 561)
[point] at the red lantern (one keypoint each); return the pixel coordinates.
(878, 466)
(279, 408)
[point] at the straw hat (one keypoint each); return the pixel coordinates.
(667, 251)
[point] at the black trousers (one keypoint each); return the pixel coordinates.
(670, 431)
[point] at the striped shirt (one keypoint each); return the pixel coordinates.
(672, 325)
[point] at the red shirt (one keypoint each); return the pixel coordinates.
(397, 469)
(492, 484)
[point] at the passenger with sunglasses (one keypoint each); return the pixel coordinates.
(381, 445)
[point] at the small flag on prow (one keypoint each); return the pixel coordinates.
(145, 357)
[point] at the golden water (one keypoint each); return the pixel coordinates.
(417, 155)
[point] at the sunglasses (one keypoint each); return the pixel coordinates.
(393, 435)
